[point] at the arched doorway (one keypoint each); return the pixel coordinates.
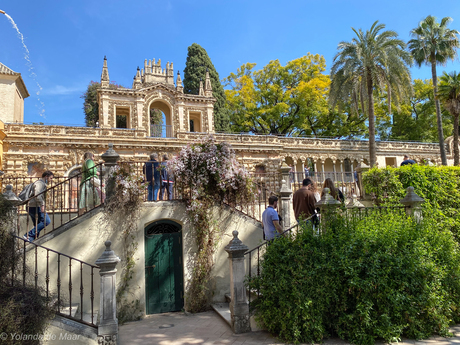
(164, 279)
(160, 120)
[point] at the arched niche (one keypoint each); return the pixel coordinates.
(165, 127)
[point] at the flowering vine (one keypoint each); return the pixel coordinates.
(207, 173)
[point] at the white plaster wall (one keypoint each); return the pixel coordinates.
(7, 100)
(86, 242)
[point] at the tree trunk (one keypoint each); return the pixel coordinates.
(438, 114)
(372, 148)
(456, 151)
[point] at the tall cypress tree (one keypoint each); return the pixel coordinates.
(195, 69)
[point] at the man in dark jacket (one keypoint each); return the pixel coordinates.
(152, 176)
(407, 161)
(304, 201)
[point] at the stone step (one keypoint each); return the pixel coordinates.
(223, 309)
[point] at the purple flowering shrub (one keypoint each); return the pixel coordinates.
(207, 173)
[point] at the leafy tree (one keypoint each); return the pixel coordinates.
(196, 65)
(90, 105)
(371, 61)
(282, 100)
(414, 119)
(433, 44)
(449, 95)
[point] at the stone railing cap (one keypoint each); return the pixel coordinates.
(10, 196)
(327, 199)
(411, 197)
(108, 256)
(235, 245)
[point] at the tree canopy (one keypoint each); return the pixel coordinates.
(90, 105)
(434, 43)
(196, 65)
(373, 60)
(282, 100)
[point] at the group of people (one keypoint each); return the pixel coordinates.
(91, 195)
(159, 177)
(303, 201)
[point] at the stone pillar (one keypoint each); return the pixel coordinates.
(239, 307)
(413, 204)
(10, 196)
(285, 194)
(107, 329)
(327, 205)
(284, 206)
(360, 169)
(110, 158)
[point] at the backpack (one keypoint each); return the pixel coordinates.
(27, 192)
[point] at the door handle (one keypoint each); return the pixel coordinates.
(149, 267)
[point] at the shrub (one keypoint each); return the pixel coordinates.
(379, 277)
(439, 186)
(23, 309)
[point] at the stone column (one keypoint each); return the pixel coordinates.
(110, 158)
(327, 205)
(239, 307)
(10, 196)
(413, 204)
(107, 330)
(360, 169)
(285, 194)
(284, 206)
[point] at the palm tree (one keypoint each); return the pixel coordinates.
(434, 44)
(374, 60)
(449, 95)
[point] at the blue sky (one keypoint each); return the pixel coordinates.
(67, 40)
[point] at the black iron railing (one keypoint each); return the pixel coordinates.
(63, 202)
(64, 279)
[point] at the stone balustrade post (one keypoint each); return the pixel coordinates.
(286, 204)
(412, 203)
(239, 307)
(10, 196)
(107, 329)
(361, 169)
(327, 205)
(110, 158)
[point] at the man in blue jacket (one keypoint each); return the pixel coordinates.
(152, 176)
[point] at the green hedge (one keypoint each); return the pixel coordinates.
(439, 186)
(381, 277)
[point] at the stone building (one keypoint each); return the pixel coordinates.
(125, 120)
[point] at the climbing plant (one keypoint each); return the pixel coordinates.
(208, 174)
(121, 213)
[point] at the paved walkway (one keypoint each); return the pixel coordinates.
(208, 328)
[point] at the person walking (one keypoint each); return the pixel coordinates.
(37, 206)
(152, 176)
(90, 182)
(167, 179)
(270, 220)
(304, 201)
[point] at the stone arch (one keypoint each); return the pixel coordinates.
(167, 109)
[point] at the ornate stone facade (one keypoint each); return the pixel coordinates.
(61, 148)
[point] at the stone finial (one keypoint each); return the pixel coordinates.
(235, 248)
(10, 196)
(179, 87)
(108, 260)
(354, 202)
(105, 80)
(110, 157)
(412, 199)
(201, 93)
(327, 200)
(208, 86)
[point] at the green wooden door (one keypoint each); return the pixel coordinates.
(163, 270)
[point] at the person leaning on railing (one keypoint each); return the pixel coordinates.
(167, 179)
(89, 195)
(36, 206)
